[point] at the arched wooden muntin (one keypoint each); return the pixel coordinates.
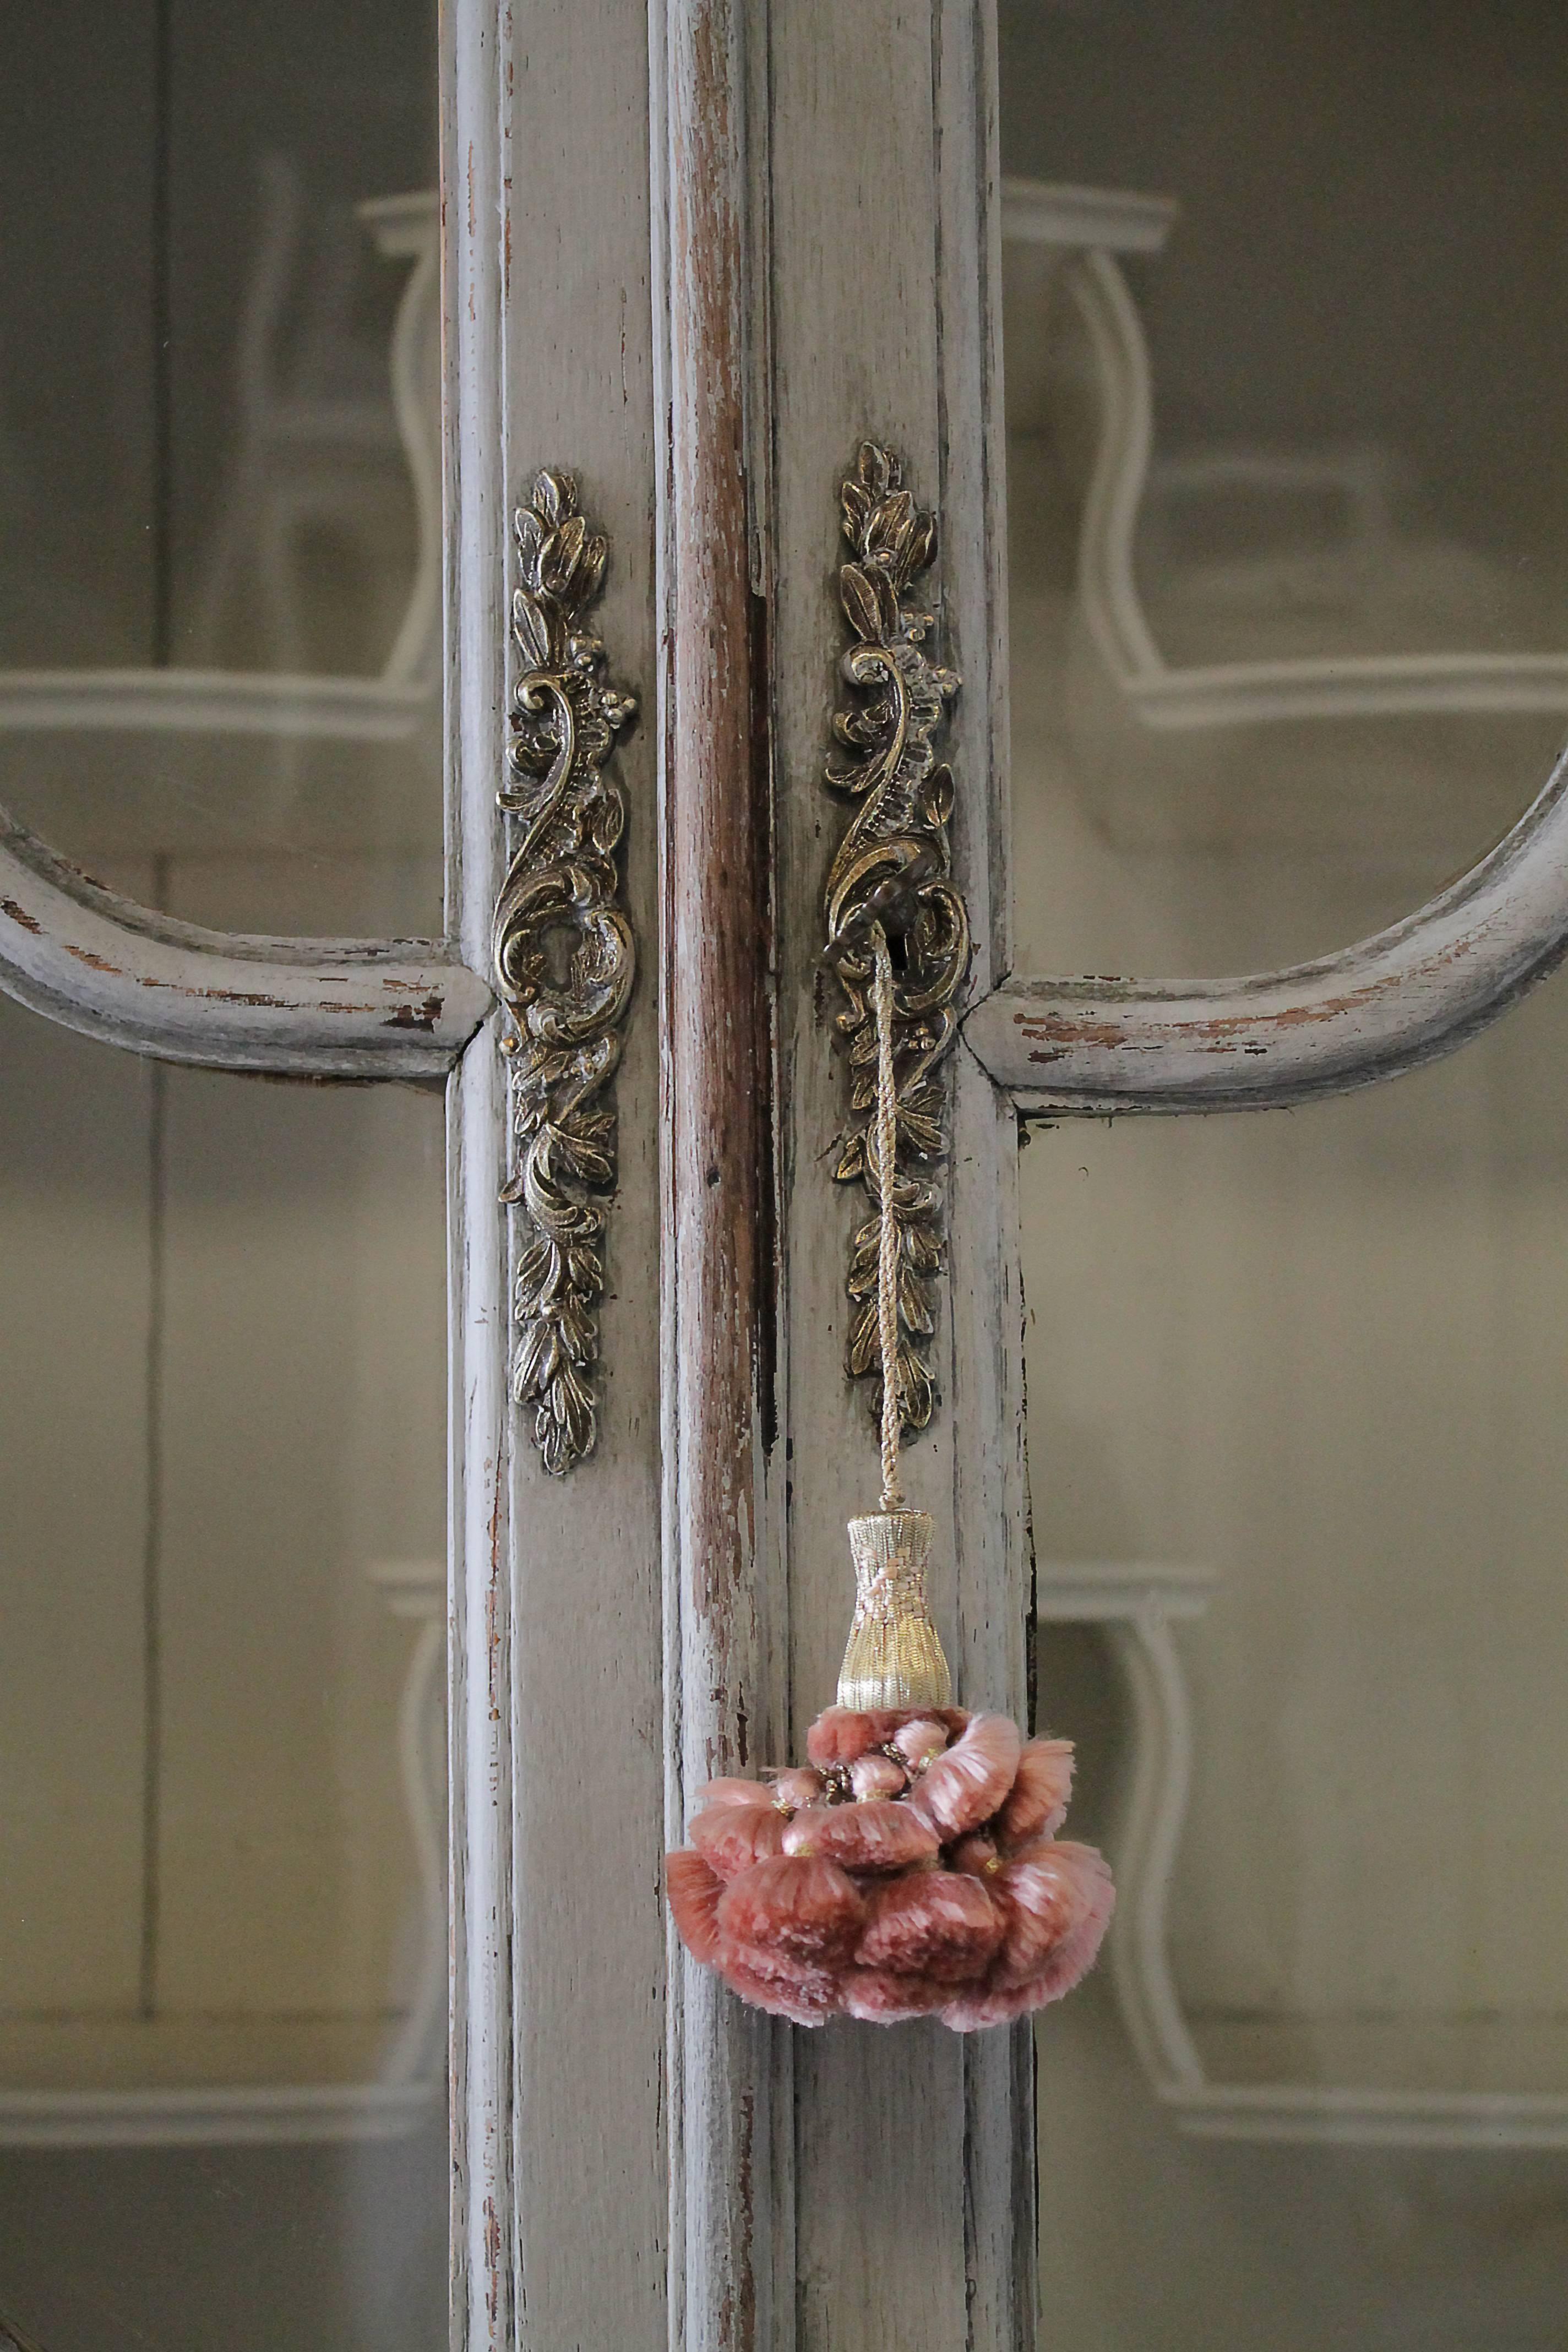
(637, 2160)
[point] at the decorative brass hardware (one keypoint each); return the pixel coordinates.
(564, 960)
(893, 867)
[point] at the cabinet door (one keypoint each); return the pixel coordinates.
(1286, 494)
(694, 258)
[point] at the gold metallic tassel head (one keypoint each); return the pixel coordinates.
(893, 1658)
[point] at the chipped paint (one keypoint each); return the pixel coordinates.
(416, 1016)
(492, 2265)
(494, 1591)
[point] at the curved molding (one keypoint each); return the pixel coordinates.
(1369, 1012)
(417, 1590)
(127, 976)
(1135, 1602)
(1064, 214)
(407, 228)
(1108, 589)
(1221, 694)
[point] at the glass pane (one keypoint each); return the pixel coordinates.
(1323, 606)
(223, 1939)
(220, 434)
(1296, 1381)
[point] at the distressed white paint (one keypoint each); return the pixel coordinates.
(558, 2160)
(128, 976)
(1386, 1005)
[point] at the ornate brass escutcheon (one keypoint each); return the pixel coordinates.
(564, 961)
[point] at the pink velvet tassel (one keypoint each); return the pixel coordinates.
(806, 1908)
(693, 1891)
(876, 1776)
(919, 1741)
(731, 1837)
(876, 1836)
(842, 1733)
(789, 1790)
(934, 1922)
(1045, 1898)
(810, 1996)
(968, 1784)
(1038, 1804)
(885, 1996)
(911, 1869)
(732, 1793)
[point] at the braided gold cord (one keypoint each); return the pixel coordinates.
(888, 1242)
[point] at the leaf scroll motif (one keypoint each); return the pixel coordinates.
(893, 867)
(566, 960)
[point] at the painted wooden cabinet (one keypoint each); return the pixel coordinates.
(1249, 662)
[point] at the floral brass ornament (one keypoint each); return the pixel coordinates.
(893, 867)
(566, 960)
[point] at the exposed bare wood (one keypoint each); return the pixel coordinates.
(1369, 1012)
(716, 1028)
(128, 976)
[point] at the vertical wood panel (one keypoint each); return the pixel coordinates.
(898, 2239)
(557, 1731)
(915, 2170)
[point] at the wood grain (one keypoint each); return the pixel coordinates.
(717, 1115)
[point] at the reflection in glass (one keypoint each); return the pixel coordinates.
(219, 436)
(1286, 416)
(1288, 492)
(222, 1382)
(223, 1948)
